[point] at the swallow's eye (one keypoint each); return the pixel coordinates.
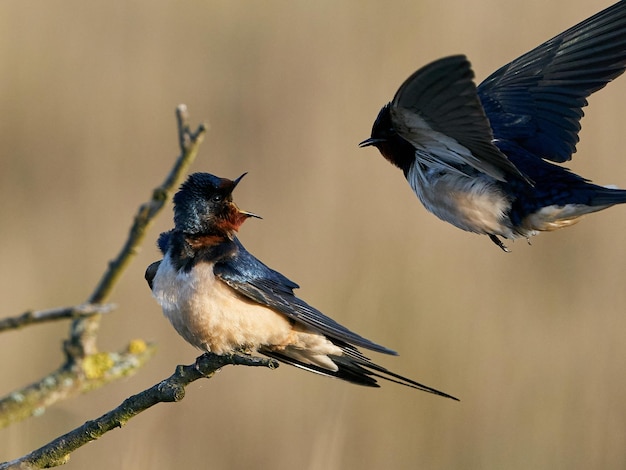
(217, 198)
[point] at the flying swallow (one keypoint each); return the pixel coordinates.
(484, 158)
(223, 300)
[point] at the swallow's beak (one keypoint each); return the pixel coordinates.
(249, 214)
(237, 217)
(236, 181)
(244, 214)
(230, 185)
(371, 141)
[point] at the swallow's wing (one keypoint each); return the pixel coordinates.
(356, 368)
(151, 272)
(163, 244)
(437, 109)
(537, 100)
(164, 241)
(253, 279)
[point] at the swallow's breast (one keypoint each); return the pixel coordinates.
(212, 316)
(474, 204)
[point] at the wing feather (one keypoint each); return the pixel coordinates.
(437, 109)
(537, 99)
(253, 279)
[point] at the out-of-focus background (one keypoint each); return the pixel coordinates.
(533, 342)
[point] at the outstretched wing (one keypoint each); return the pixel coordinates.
(253, 279)
(537, 100)
(437, 109)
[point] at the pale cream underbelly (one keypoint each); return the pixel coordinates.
(213, 317)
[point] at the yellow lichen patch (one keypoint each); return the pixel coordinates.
(96, 365)
(137, 346)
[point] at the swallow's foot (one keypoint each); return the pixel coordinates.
(498, 242)
(247, 359)
(244, 351)
(209, 363)
(205, 364)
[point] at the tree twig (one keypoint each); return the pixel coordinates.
(83, 331)
(96, 371)
(85, 368)
(172, 389)
(60, 313)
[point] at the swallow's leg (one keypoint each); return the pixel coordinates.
(498, 242)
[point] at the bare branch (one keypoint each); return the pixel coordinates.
(60, 313)
(85, 368)
(82, 339)
(172, 389)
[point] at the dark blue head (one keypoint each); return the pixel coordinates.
(391, 146)
(382, 130)
(204, 205)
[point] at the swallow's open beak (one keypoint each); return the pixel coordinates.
(244, 214)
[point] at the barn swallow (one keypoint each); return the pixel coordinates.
(483, 158)
(223, 300)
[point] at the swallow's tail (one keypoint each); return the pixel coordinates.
(369, 369)
(608, 196)
(357, 369)
(563, 213)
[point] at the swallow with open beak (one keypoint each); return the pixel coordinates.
(223, 300)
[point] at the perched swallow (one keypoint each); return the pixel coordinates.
(223, 300)
(481, 158)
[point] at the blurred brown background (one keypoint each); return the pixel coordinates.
(532, 342)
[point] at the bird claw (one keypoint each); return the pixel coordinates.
(498, 242)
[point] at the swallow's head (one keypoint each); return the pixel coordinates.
(391, 145)
(382, 130)
(204, 205)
